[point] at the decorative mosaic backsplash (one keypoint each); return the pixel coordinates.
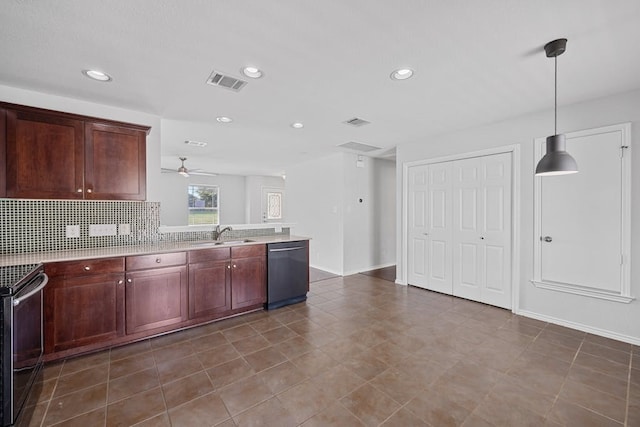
(40, 225)
(28, 226)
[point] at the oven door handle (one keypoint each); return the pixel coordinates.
(45, 280)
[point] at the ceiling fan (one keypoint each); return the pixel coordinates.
(182, 170)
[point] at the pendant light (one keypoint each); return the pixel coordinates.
(556, 161)
(182, 170)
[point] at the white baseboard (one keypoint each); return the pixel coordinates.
(325, 269)
(581, 327)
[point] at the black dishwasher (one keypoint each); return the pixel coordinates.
(287, 273)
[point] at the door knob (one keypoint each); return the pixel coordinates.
(546, 238)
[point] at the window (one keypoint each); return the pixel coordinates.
(204, 208)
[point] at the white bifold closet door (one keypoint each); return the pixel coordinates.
(482, 229)
(430, 227)
(459, 228)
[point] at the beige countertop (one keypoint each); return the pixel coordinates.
(118, 251)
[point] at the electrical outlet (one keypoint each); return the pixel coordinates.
(278, 229)
(124, 229)
(97, 230)
(72, 231)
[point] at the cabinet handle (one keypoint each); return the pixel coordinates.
(87, 268)
(129, 280)
(120, 282)
(158, 260)
(79, 190)
(89, 190)
(229, 266)
(547, 239)
(481, 237)
(234, 266)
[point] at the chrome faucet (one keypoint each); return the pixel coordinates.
(218, 231)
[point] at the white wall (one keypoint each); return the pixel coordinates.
(174, 198)
(323, 201)
(608, 318)
(314, 204)
(369, 226)
(76, 106)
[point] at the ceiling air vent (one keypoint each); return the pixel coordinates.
(357, 146)
(218, 79)
(356, 122)
(195, 143)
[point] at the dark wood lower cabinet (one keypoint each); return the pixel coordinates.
(156, 298)
(97, 303)
(248, 282)
(83, 310)
(209, 288)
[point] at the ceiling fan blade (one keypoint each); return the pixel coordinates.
(202, 173)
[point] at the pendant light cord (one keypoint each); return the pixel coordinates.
(555, 99)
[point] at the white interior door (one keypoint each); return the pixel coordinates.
(581, 217)
(439, 228)
(482, 229)
(417, 226)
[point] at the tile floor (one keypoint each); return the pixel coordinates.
(360, 351)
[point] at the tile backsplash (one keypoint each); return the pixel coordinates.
(40, 225)
(28, 226)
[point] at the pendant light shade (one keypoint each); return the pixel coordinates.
(556, 161)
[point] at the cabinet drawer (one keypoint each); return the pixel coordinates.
(213, 254)
(84, 267)
(142, 262)
(248, 251)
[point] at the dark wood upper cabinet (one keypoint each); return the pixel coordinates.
(115, 162)
(45, 156)
(53, 155)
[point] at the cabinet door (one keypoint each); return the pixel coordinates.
(44, 156)
(156, 298)
(209, 288)
(115, 163)
(83, 310)
(248, 282)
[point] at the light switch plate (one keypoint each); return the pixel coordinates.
(72, 231)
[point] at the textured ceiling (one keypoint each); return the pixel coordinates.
(325, 62)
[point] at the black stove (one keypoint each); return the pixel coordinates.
(13, 277)
(21, 341)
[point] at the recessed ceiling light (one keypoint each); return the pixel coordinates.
(97, 75)
(224, 119)
(402, 74)
(252, 72)
(297, 125)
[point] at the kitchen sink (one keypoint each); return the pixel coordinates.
(220, 242)
(234, 242)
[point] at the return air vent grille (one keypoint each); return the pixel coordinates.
(357, 146)
(196, 143)
(218, 79)
(356, 122)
